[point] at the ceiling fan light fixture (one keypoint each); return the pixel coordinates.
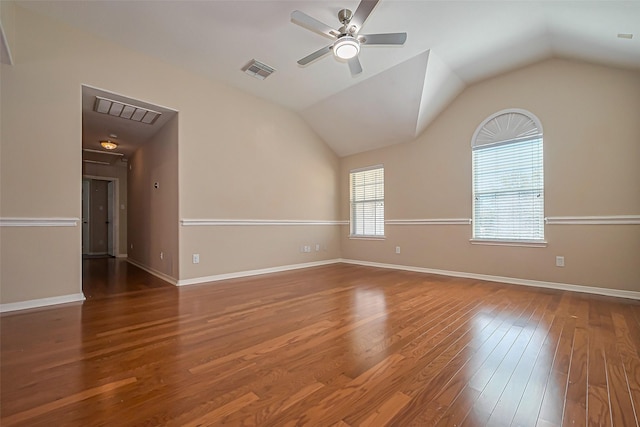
(346, 47)
(108, 145)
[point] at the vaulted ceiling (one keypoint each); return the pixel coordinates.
(450, 45)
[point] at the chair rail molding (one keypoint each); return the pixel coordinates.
(39, 222)
(429, 221)
(227, 222)
(593, 220)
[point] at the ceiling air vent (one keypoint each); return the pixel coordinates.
(125, 111)
(258, 70)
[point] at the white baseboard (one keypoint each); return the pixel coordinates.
(247, 273)
(41, 302)
(158, 274)
(619, 293)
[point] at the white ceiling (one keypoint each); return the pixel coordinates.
(450, 44)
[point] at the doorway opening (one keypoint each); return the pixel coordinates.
(100, 224)
(129, 192)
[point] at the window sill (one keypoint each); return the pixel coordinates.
(362, 237)
(520, 243)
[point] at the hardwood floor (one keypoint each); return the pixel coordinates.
(107, 276)
(339, 345)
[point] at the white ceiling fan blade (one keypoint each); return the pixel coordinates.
(355, 66)
(313, 24)
(315, 55)
(362, 13)
(390, 38)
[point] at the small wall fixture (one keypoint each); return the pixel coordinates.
(109, 145)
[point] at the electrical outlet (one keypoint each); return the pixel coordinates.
(307, 248)
(397, 249)
(161, 255)
(559, 261)
(196, 258)
(132, 246)
(317, 247)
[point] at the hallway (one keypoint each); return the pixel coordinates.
(107, 276)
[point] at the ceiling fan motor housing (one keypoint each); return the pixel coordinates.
(344, 16)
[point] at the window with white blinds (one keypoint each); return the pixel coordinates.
(367, 202)
(508, 187)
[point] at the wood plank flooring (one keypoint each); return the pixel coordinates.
(338, 345)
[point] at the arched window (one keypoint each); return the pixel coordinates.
(508, 178)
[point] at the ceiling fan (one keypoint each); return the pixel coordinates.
(347, 38)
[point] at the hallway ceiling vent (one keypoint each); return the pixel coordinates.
(125, 111)
(258, 70)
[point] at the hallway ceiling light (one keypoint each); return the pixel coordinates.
(125, 111)
(109, 145)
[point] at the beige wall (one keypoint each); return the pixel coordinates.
(153, 225)
(120, 173)
(239, 157)
(589, 114)
(268, 166)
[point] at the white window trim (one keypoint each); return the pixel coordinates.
(506, 242)
(366, 237)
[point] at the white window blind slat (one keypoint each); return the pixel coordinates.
(367, 202)
(508, 191)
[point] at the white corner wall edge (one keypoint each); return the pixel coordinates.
(619, 293)
(158, 274)
(41, 302)
(247, 273)
(7, 58)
